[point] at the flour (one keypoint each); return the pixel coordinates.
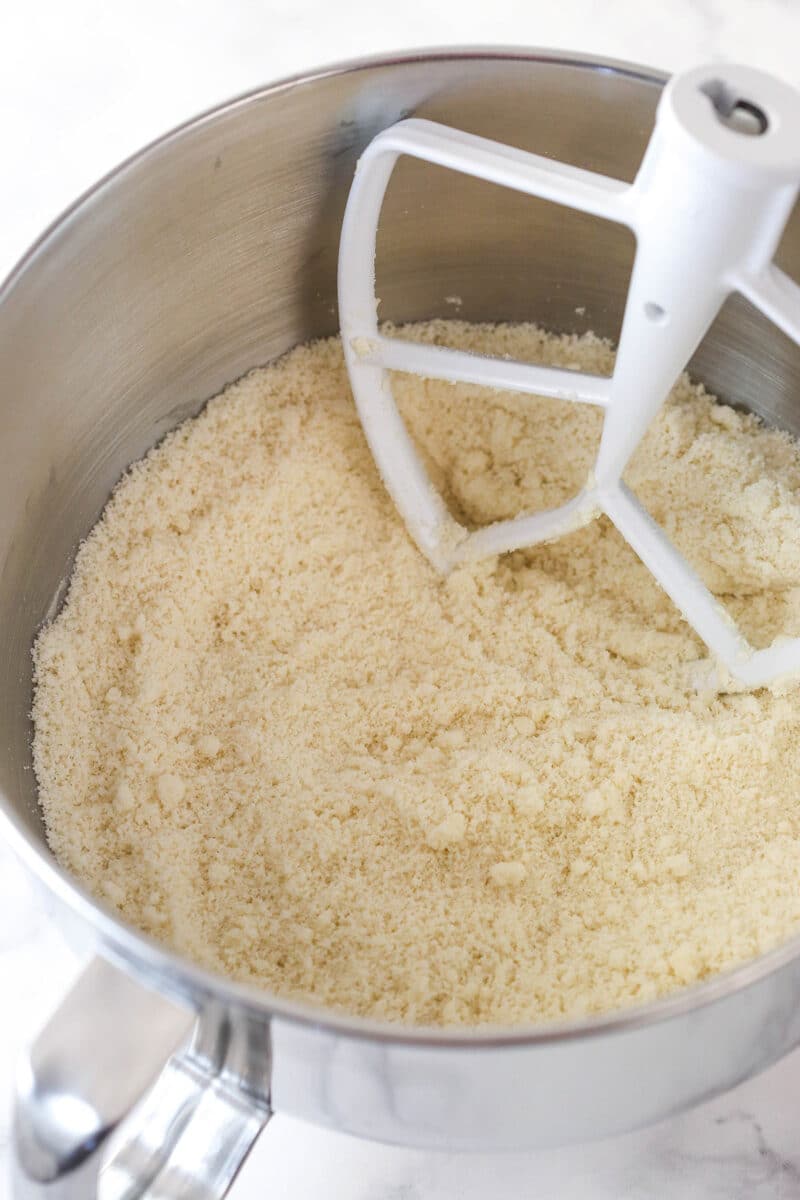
(269, 734)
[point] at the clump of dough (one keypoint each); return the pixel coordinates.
(448, 832)
(507, 874)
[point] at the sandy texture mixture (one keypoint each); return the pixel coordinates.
(269, 734)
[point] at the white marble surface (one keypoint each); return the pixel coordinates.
(84, 83)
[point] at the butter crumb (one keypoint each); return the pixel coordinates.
(448, 832)
(678, 865)
(170, 790)
(113, 892)
(507, 874)
(450, 739)
(123, 796)
(528, 800)
(683, 963)
(209, 746)
(595, 803)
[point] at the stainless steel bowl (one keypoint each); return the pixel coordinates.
(210, 252)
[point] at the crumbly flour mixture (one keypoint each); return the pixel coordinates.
(270, 735)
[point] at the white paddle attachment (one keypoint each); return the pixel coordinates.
(708, 206)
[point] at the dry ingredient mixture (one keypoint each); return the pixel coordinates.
(270, 735)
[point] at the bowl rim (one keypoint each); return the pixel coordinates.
(169, 972)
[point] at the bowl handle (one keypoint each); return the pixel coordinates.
(125, 1093)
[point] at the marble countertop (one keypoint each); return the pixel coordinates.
(84, 84)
